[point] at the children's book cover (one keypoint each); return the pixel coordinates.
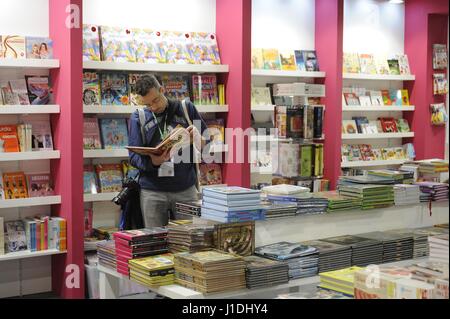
(257, 59)
(19, 89)
(40, 185)
(204, 48)
(110, 177)
(310, 60)
(39, 90)
(176, 86)
(177, 47)
(114, 89)
(89, 180)
(204, 89)
(367, 64)
(117, 44)
(114, 133)
(91, 43)
(210, 174)
(91, 88)
(9, 139)
(146, 48)
(41, 135)
(287, 59)
(39, 48)
(15, 185)
(91, 134)
(271, 59)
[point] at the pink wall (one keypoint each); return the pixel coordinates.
(425, 24)
(329, 46)
(233, 28)
(67, 130)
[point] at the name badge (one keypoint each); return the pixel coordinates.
(167, 169)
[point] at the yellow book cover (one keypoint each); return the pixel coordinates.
(271, 59)
(351, 63)
(344, 291)
(405, 97)
(153, 262)
(344, 275)
(257, 59)
(287, 59)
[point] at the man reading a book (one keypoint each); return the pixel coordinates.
(163, 181)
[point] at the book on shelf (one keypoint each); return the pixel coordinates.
(365, 100)
(370, 128)
(394, 67)
(403, 126)
(440, 57)
(310, 60)
(204, 89)
(405, 97)
(9, 139)
(271, 59)
(376, 98)
(41, 135)
(306, 161)
(260, 96)
(91, 43)
(378, 154)
(114, 133)
(221, 92)
(135, 99)
(366, 152)
(24, 134)
(89, 180)
(91, 88)
(109, 177)
(210, 174)
(2, 225)
(360, 120)
(88, 218)
(39, 90)
(205, 48)
(15, 237)
(14, 47)
(114, 89)
(257, 59)
(356, 153)
(2, 189)
(117, 44)
(146, 49)
(19, 89)
(351, 99)
(403, 64)
(177, 47)
(91, 134)
(318, 120)
(39, 48)
(349, 127)
(440, 84)
(439, 114)
(396, 97)
(367, 64)
(40, 184)
(7, 95)
(176, 86)
(235, 238)
(351, 63)
(15, 185)
(389, 125)
(216, 131)
(287, 59)
(308, 125)
(381, 64)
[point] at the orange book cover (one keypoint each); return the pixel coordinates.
(15, 185)
(9, 140)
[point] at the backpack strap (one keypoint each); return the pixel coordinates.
(141, 113)
(186, 113)
(197, 165)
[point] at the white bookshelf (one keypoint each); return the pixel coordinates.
(101, 197)
(29, 202)
(262, 170)
(289, 74)
(29, 254)
(373, 163)
(145, 67)
(29, 109)
(404, 108)
(24, 156)
(263, 108)
(376, 136)
(118, 153)
(29, 64)
(378, 77)
(128, 109)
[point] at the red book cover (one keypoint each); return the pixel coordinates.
(38, 235)
(141, 234)
(46, 233)
(15, 185)
(366, 152)
(389, 125)
(9, 140)
(204, 89)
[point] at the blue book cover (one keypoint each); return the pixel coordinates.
(232, 192)
(251, 213)
(241, 204)
(310, 60)
(114, 89)
(299, 60)
(232, 219)
(286, 199)
(230, 209)
(114, 133)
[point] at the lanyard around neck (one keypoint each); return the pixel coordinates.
(159, 128)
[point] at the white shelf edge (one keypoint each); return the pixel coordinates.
(359, 76)
(28, 254)
(129, 66)
(24, 156)
(29, 109)
(372, 163)
(212, 108)
(117, 153)
(376, 136)
(101, 197)
(29, 63)
(282, 73)
(128, 109)
(404, 108)
(263, 108)
(32, 201)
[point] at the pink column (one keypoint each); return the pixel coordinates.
(233, 28)
(425, 23)
(329, 47)
(67, 131)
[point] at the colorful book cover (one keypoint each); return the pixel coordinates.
(378, 154)
(349, 127)
(257, 59)
(39, 90)
(210, 174)
(91, 134)
(204, 89)
(403, 126)
(89, 180)
(114, 133)
(177, 47)
(271, 59)
(41, 135)
(310, 60)
(15, 185)
(287, 59)
(382, 65)
(9, 139)
(7, 95)
(356, 153)
(376, 97)
(235, 238)
(386, 97)
(39, 48)
(114, 89)
(299, 60)
(440, 58)
(351, 63)
(117, 44)
(109, 177)
(360, 121)
(367, 64)
(405, 97)
(147, 50)
(19, 89)
(346, 153)
(389, 125)
(40, 185)
(295, 121)
(16, 239)
(396, 97)
(351, 99)
(14, 47)
(394, 67)
(366, 152)
(176, 86)
(403, 64)
(2, 195)
(216, 131)
(204, 48)
(88, 219)
(306, 160)
(135, 99)
(91, 43)
(91, 88)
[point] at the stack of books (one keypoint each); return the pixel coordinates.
(396, 246)
(273, 211)
(191, 238)
(372, 196)
(421, 235)
(153, 271)
(132, 244)
(307, 204)
(316, 294)
(364, 251)
(263, 272)
(439, 248)
(405, 194)
(399, 177)
(189, 208)
(432, 166)
(432, 191)
(303, 260)
(210, 271)
(106, 252)
(340, 280)
(231, 204)
(331, 256)
(337, 202)
(235, 238)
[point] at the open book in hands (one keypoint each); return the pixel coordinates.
(177, 139)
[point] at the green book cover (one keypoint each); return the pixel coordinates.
(306, 161)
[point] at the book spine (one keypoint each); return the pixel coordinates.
(46, 233)
(38, 236)
(318, 122)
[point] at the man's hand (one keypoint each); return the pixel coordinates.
(158, 160)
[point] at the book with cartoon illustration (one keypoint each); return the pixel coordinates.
(91, 43)
(114, 89)
(117, 44)
(114, 133)
(91, 88)
(109, 177)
